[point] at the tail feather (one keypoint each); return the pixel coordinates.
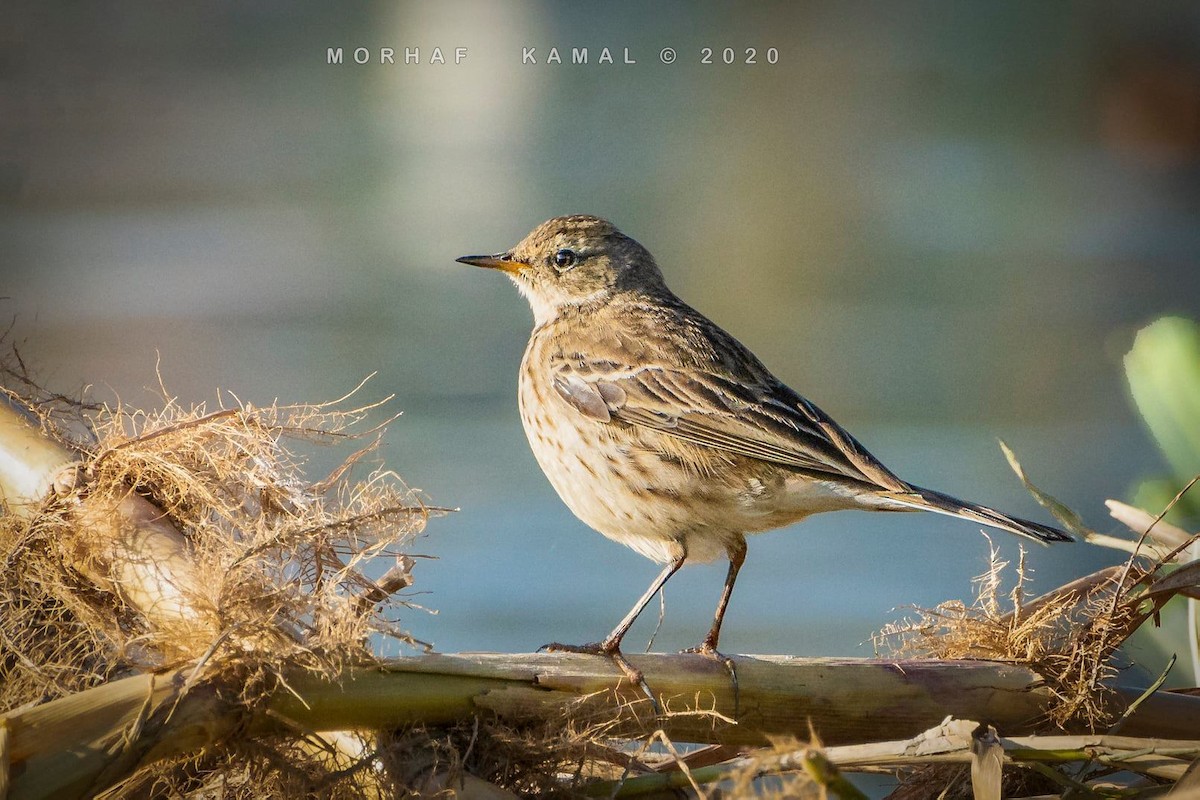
(929, 500)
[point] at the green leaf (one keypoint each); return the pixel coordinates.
(1163, 368)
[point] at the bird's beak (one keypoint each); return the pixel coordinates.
(501, 261)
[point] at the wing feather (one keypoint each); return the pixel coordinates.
(767, 421)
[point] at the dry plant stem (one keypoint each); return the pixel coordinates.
(4, 759)
(128, 547)
(125, 546)
(29, 461)
(60, 748)
(847, 699)
(1165, 535)
(1117, 596)
(147, 562)
(1080, 587)
(1162, 758)
(1044, 749)
(392, 581)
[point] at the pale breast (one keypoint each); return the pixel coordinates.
(644, 489)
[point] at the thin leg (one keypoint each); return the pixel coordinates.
(612, 642)
(611, 646)
(737, 557)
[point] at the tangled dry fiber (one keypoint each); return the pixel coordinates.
(275, 571)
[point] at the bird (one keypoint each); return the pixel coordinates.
(664, 433)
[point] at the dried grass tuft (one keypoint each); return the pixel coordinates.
(1068, 636)
(284, 571)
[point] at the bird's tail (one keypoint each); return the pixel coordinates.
(929, 500)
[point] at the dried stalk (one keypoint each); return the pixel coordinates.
(63, 746)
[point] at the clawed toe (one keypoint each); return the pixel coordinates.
(701, 650)
(713, 654)
(613, 651)
(709, 652)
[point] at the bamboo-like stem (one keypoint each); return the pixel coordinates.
(1163, 758)
(67, 748)
(776, 694)
(132, 550)
(64, 747)
(128, 548)
(29, 460)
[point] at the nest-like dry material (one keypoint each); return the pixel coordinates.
(1068, 636)
(281, 571)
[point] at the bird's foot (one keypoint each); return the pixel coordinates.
(613, 651)
(713, 654)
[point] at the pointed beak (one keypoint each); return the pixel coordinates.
(501, 261)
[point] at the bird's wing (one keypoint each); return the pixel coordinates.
(767, 421)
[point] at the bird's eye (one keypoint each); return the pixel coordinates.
(565, 259)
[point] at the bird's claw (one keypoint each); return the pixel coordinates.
(635, 675)
(713, 654)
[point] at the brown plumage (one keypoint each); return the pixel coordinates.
(662, 431)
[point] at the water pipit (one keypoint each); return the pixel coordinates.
(664, 433)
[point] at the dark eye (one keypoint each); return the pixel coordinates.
(565, 259)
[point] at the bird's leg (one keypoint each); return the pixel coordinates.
(612, 643)
(708, 648)
(611, 646)
(737, 557)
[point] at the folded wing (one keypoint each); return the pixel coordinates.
(769, 422)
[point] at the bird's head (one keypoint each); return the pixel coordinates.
(570, 261)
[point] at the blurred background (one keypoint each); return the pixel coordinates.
(943, 223)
